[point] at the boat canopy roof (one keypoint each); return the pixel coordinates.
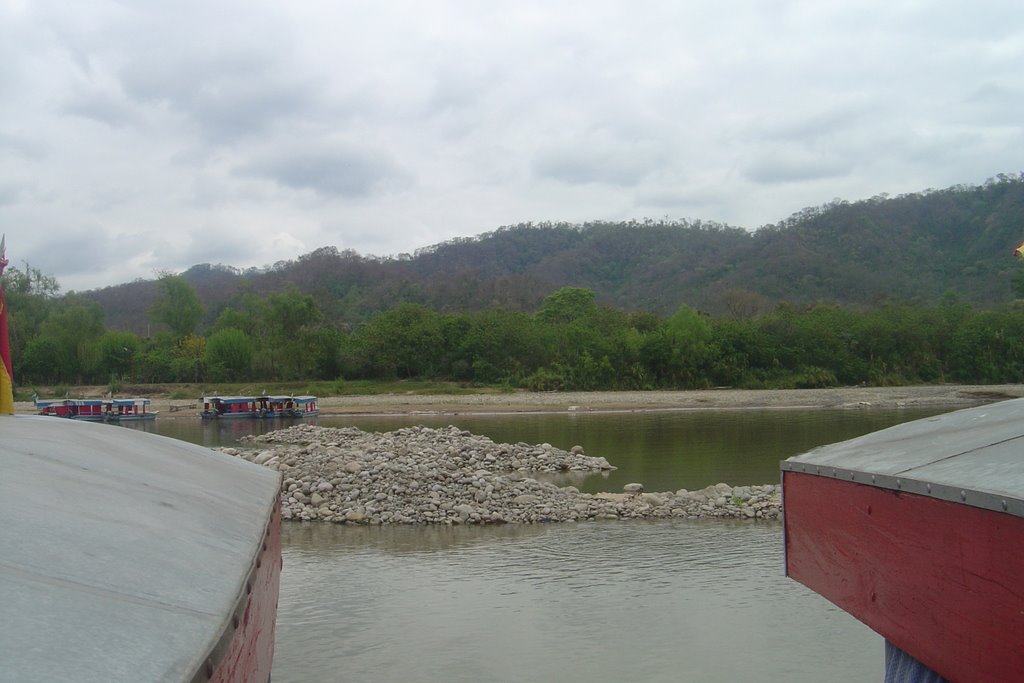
(973, 456)
(124, 553)
(44, 402)
(261, 397)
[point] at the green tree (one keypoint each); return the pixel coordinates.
(404, 342)
(178, 306)
(228, 355)
(566, 305)
(503, 346)
(231, 318)
(187, 362)
(117, 354)
(38, 361)
(324, 345)
(29, 296)
(1017, 283)
(72, 329)
(288, 322)
(679, 352)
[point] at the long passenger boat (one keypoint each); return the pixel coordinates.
(57, 407)
(127, 410)
(90, 409)
(97, 409)
(258, 407)
(918, 531)
(142, 558)
(293, 406)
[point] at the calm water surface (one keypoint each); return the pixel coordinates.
(595, 602)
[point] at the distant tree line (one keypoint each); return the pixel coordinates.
(569, 343)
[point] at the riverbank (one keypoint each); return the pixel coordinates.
(489, 401)
(715, 399)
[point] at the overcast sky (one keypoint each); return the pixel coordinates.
(145, 136)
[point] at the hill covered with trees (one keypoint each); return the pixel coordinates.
(911, 249)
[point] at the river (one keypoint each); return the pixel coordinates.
(600, 601)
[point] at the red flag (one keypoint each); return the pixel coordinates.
(6, 373)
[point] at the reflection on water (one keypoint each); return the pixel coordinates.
(213, 433)
(324, 539)
(645, 601)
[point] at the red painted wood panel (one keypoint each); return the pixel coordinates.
(945, 582)
(250, 655)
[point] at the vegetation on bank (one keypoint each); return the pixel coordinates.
(285, 341)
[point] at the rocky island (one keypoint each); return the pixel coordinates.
(420, 475)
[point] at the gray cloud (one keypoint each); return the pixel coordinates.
(794, 165)
(22, 146)
(345, 172)
(9, 193)
(224, 100)
(598, 160)
(100, 107)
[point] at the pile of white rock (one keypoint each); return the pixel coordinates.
(419, 475)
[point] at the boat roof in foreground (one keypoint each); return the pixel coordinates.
(973, 456)
(124, 552)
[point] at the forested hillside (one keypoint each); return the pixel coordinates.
(908, 249)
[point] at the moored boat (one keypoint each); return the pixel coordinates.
(917, 531)
(225, 407)
(257, 407)
(90, 409)
(292, 406)
(96, 409)
(127, 410)
(142, 558)
(57, 407)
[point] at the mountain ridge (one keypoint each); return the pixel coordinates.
(914, 248)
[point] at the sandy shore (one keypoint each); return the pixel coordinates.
(953, 395)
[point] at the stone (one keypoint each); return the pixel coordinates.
(262, 458)
(652, 499)
(421, 475)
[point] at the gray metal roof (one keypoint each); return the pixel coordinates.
(122, 553)
(973, 456)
